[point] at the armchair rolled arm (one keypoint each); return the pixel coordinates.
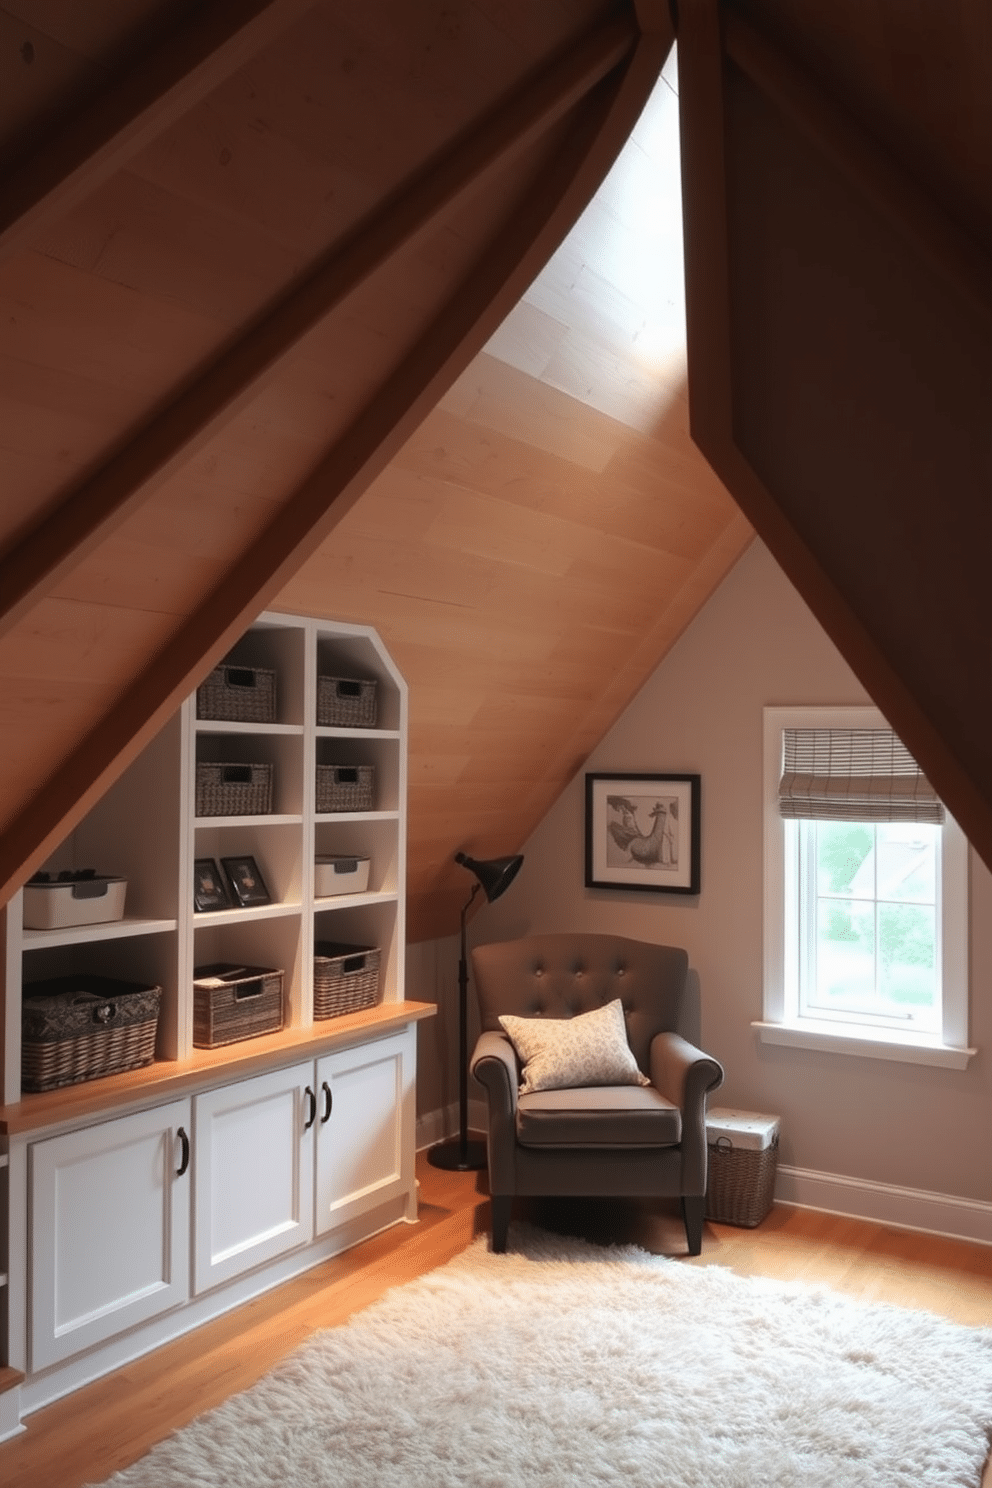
(685, 1076)
(494, 1065)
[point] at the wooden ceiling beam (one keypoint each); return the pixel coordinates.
(947, 248)
(703, 27)
(133, 108)
(499, 277)
(171, 436)
(656, 15)
(704, 224)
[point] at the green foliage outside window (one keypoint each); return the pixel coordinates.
(842, 848)
(875, 910)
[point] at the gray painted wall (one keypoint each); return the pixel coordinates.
(755, 643)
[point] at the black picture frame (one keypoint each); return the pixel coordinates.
(209, 888)
(643, 832)
(247, 883)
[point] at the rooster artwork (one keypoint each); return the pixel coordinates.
(643, 831)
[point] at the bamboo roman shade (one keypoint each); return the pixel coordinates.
(853, 775)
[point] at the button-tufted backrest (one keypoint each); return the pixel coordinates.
(557, 976)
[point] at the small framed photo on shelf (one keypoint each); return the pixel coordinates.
(642, 832)
(247, 884)
(209, 889)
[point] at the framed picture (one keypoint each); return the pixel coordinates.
(247, 884)
(642, 832)
(209, 889)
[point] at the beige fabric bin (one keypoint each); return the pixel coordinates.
(340, 875)
(83, 901)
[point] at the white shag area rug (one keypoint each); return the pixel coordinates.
(562, 1363)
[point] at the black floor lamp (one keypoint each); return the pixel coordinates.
(493, 877)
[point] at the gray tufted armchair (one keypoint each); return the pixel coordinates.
(599, 1140)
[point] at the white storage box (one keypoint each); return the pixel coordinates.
(82, 901)
(340, 875)
(742, 1161)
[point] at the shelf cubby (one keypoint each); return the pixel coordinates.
(148, 959)
(273, 942)
(275, 846)
(349, 656)
(373, 837)
(254, 745)
(365, 749)
(281, 647)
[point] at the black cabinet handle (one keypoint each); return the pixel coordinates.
(313, 1109)
(328, 1103)
(184, 1164)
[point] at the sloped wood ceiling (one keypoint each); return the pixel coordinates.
(247, 248)
(542, 539)
(837, 176)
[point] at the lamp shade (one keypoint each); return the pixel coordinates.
(494, 874)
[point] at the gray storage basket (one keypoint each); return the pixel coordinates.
(237, 694)
(345, 787)
(79, 1028)
(346, 702)
(230, 788)
(345, 978)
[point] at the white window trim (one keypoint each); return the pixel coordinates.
(781, 1023)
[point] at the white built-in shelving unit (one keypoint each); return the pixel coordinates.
(242, 1164)
(146, 830)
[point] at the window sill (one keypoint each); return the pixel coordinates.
(868, 1043)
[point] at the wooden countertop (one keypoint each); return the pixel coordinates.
(168, 1079)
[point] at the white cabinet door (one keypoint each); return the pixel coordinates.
(253, 1170)
(365, 1136)
(109, 1217)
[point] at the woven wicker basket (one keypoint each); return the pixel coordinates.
(345, 978)
(235, 1002)
(346, 702)
(79, 1028)
(234, 694)
(232, 789)
(345, 787)
(740, 1183)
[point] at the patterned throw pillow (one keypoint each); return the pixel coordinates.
(591, 1049)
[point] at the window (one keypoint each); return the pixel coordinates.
(866, 914)
(868, 932)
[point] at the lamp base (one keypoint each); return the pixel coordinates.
(458, 1157)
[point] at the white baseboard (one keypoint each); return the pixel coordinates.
(908, 1208)
(436, 1126)
(884, 1203)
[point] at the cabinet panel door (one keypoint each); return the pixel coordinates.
(365, 1147)
(109, 1230)
(253, 1166)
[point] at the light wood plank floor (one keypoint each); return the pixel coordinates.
(109, 1424)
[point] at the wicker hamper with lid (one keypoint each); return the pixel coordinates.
(741, 1167)
(78, 1028)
